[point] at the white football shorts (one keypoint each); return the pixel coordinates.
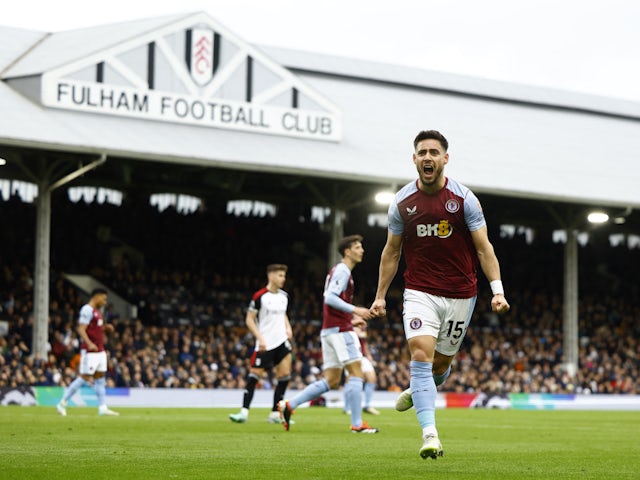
(339, 348)
(445, 319)
(92, 362)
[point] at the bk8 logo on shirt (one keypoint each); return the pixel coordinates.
(441, 230)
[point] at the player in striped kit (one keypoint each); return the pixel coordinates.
(268, 321)
(93, 358)
(439, 227)
(340, 344)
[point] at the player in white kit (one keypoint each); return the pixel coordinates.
(268, 321)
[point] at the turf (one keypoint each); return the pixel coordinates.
(36, 443)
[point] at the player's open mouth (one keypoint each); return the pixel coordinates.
(428, 169)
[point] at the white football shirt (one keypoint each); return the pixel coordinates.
(271, 309)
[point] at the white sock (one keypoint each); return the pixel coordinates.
(430, 430)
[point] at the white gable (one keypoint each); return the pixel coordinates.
(191, 70)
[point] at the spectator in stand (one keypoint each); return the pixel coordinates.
(526, 356)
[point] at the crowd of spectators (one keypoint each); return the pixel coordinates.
(203, 343)
(189, 332)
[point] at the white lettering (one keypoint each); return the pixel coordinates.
(430, 230)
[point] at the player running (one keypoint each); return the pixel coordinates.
(268, 321)
(340, 344)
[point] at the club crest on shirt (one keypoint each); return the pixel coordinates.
(452, 205)
(415, 323)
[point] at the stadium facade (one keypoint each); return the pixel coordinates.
(104, 105)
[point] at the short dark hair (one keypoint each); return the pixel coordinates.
(347, 242)
(431, 134)
(98, 291)
(276, 267)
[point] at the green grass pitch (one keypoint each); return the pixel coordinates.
(150, 443)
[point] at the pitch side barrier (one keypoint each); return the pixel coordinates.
(231, 398)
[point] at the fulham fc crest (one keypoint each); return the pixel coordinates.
(201, 59)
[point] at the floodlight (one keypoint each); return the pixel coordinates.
(598, 217)
(384, 198)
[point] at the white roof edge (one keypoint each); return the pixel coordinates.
(230, 164)
(21, 30)
(455, 83)
(23, 41)
(128, 29)
(575, 199)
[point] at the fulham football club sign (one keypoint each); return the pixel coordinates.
(195, 72)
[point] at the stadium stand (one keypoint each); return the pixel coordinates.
(190, 331)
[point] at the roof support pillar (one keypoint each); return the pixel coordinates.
(337, 233)
(570, 302)
(41, 271)
(42, 256)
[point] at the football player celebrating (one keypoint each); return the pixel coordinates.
(439, 227)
